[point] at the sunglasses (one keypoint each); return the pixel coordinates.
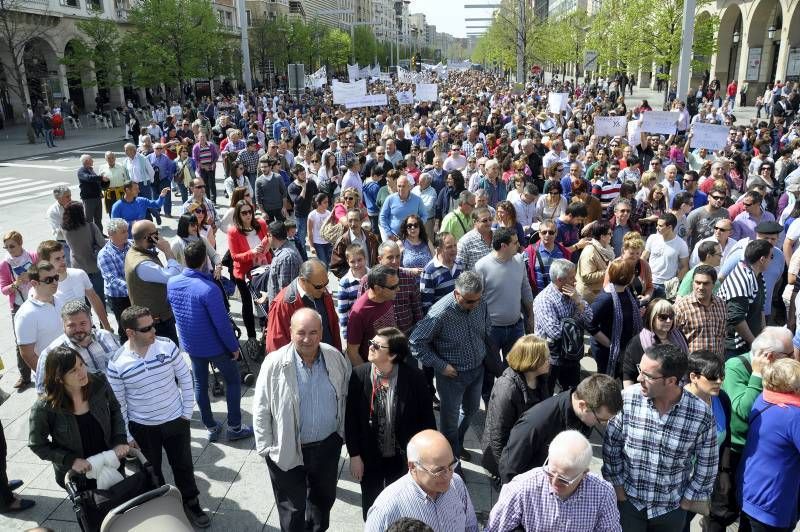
(666, 317)
(747, 204)
(49, 280)
(392, 287)
(246, 212)
(375, 345)
(723, 229)
(349, 198)
(145, 329)
(718, 198)
(412, 226)
(199, 186)
(317, 286)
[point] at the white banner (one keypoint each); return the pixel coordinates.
(427, 92)
(342, 92)
(405, 97)
(405, 76)
(611, 126)
(459, 65)
(709, 136)
(557, 102)
(635, 133)
(386, 77)
(369, 100)
(353, 72)
(665, 122)
(317, 79)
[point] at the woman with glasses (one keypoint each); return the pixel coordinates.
(594, 260)
(552, 204)
(416, 250)
(388, 402)
(184, 172)
(350, 199)
(238, 194)
(649, 210)
(237, 178)
(658, 328)
(15, 284)
(188, 231)
(705, 374)
(522, 385)
(249, 247)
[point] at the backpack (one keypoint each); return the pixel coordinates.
(569, 347)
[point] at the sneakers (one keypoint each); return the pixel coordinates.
(196, 514)
(241, 433)
(214, 433)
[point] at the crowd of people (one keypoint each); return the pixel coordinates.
(476, 243)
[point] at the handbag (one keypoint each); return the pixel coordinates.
(331, 231)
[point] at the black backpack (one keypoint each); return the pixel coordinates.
(569, 347)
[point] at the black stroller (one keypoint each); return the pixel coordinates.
(94, 507)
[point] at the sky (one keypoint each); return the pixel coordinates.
(448, 15)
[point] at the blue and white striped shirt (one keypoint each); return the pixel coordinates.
(451, 510)
(345, 298)
(318, 404)
(437, 280)
(146, 387)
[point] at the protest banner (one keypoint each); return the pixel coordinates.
(557, 102)
(405, 97)
(612, 126)
(635, 132)
(343, 92)
(427, 92)
(368, 100)
(710, 136)
(665, 122)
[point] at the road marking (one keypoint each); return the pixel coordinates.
(43, 166)
(28, 187)
(36, 193)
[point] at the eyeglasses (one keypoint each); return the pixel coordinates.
(199, 186)
(666, 317)
(718, 198)
(648, 377)
(443, 471)
(145, 329)
(154, 233)
(723, 229)
(564, 481)
(375, 345)
(484, 220)
(602, 421)
(392, 287)
(349, 198)
(412, 226)
(316, 286)
(248, 211)
(547, 232)
(747, 204)
(49, 280)
(714, 376)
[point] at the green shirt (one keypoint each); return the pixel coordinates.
(742, 387)
(456, 223)
(685, 287)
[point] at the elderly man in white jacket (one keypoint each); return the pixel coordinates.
(298, 418)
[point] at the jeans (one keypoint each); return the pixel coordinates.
(504, 337)
(302, 229)
(233, 388)
(173, 437)
(460, 398)
(305, 494)
(67, 253)
(324, 252)
(659, 291)
(184, 192)
(146, 191)
(49, 138)
(634, 520)
(93, 208)
(97, 284)
(749, 524)
(165, 183)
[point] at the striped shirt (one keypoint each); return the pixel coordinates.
(318, 402)
(659, 460)
(437, 280)
(703, 327)
(741, 282)
(607, 192)
(346, 296)
(450, 511)
(153, 389)
(529, 502)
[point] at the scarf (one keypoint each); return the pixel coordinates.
(648, 338)
(781, 399)
(606, 253)
(616, 329)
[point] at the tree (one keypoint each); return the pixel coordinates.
(335, 48)
(98, 49)
(365, 45)
(268, 43)
(498, 46)
(173, 40)
(18, 28)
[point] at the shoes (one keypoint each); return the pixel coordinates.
(22, 383)
(436, 402)
(465, 455)
(243, 432)
(14, 484)
(214, 433)
(19, 505)
(196, 514)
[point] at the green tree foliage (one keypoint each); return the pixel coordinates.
(98, 49)
(335, 48)
(365, 44)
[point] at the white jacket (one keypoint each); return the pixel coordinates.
(276, 403)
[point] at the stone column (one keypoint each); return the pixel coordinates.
(783, 54)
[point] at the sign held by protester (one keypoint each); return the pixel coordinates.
(342, 92)
(405, 97)
(557, 102)
(635, 132)
(665, 122)
(369, 100)
(427, 92)
(710, 136)
(611, 126)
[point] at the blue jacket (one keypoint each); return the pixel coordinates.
(204, 328)
(134, 210)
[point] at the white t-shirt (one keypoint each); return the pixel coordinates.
(38, 323)
(74, 286)
(317, 219)
(793, 233)
(665, 257)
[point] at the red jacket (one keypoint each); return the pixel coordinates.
(241, 253)
(280, 314)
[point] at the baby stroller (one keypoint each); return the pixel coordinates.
(136, 500)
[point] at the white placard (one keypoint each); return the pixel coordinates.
(427, 92)
(405, 97)
(634, 132)
(557, 102)
(612, 126)
(369, 100)
(660, 122)
(353, 72)
(343, 92)
(710, 136)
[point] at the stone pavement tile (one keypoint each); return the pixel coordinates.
(214, 481)
(29, 473)
(62, 526)
(13, 447)
(18, 404)
(214, 452)
(17, 429)
(64, 511)
(46, 502)
(227, 520)
(26, 456)
(250, 491)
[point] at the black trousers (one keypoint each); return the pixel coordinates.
(567, 375)
(209, 179)
(118, 304)
(377, 476)
(174, 437)
(749, 524)
(167, 329)
(6, 495)
(312, 483)
(247, 307)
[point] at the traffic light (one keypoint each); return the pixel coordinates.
(414, 62)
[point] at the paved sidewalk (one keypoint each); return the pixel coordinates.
(14, 141)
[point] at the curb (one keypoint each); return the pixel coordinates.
(65, 150)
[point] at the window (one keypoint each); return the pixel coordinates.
(95, 5)
(71, 3)
(249, 19)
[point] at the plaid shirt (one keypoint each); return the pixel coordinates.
(549, 308)
(343, 158)
(471, 248)
(407, 306)
(703, 327)
(250, 161)
(529, 502)
(659, 460)
(111, 261)
(283, 269)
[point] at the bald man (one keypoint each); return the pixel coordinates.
(431, 491)
(539, 499)
(298, 418)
